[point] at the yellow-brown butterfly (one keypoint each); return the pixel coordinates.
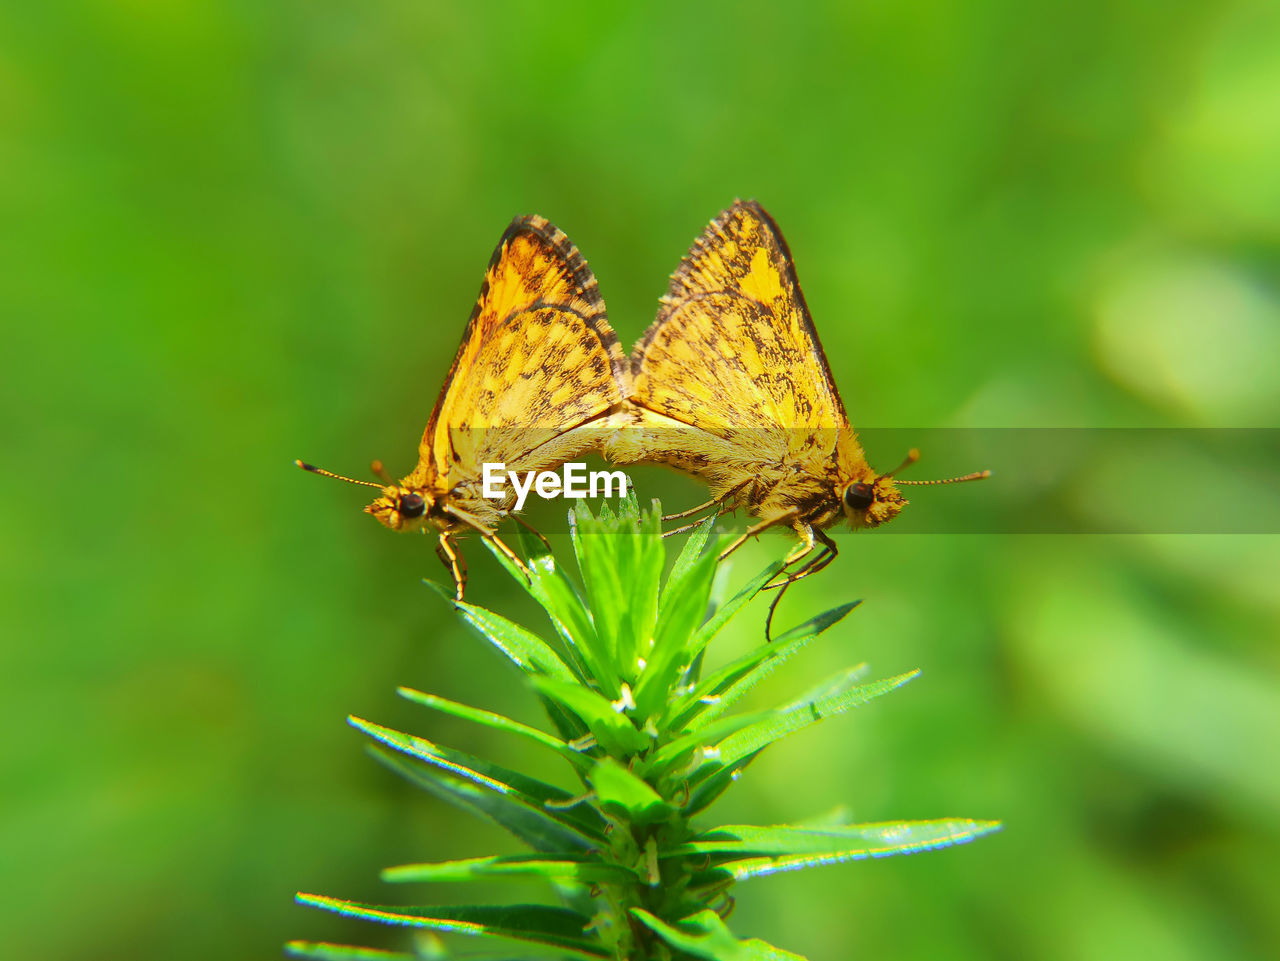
(538, 366)
(730, 384)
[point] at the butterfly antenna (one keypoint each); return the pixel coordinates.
(328, 473)
(380, 472)
(913, 455)
(976, 475)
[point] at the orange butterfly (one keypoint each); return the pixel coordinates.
(730, 384)
(539, 367)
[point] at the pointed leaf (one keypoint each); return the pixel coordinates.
(816, 625)
(675, 752)
(557, 928)
(832, 685)
(684, 604)
(478, 770)
(712, 696)
(541, 829)
(691, 551)
(321, 951)
(798, 716)
(569, 726)
(607, 722)
(497, 722)
(705, 935)
(626, 796)
(788, 848)
(531, 545)
(526, 650)
(533, 866)
(547, 585)
(709, 787)
(621, 564)
(724, 614)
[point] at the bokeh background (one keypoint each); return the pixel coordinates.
(239, 233)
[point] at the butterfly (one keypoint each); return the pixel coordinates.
(730, 384)
(537, 367)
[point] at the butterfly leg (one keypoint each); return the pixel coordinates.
(509, 554)
(714, 502)
(684, 527)
(825, 556)
(804, 547)
(532, 530)
(452, 560)
(481, 528)
(692, 510)
(784, 518)
(829, 552)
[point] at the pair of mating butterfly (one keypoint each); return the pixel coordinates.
(729, 384)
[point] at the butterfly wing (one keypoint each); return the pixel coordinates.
(538, 360)
(733, 354)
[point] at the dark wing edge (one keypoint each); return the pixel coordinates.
(678, 288)
(584, 280)
(805, 316)
(567, 253)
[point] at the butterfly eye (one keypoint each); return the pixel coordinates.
(859, 497)
(411, 505)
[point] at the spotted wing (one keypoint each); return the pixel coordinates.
(733, 354)
(538, 360)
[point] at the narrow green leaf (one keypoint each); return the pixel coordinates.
(704, 791)
(627, 508)
(705, 935)
(816, 625)
(684, 604)
(675, 752)
(597, 564)
(557, 928)
(626, 796)
(716, 693)
(691, 551)
(536, 867)
(568, 725)
(607, 722)
(535, 826)
(798, 716)
(497, 722)
(526, 650)
(321, 951)
(621, 564)
(832, 685)
(725, 613)
(547, 585)
(531, 545)
(788, 848)
(478, 770)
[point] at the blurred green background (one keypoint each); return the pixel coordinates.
(239, 233)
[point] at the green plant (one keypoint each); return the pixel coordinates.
(654, 743)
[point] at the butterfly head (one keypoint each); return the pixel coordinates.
(401, 509)
(876, 499)
(871, 503)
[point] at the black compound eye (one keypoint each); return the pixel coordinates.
(859, 497)
(411, 505)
